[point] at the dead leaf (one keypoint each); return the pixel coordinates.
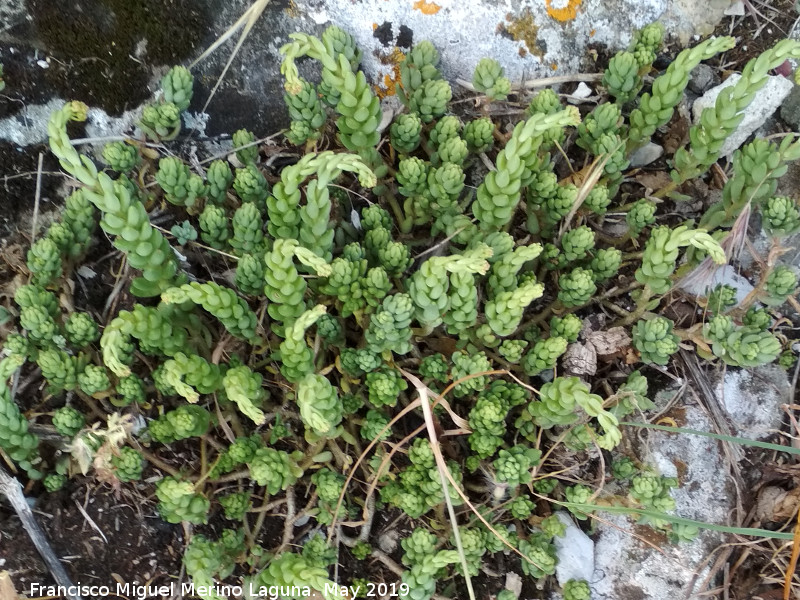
(776, 505)
(631, 356)
(653, 180)
(678, 133)
(14, 256)
(610, 342)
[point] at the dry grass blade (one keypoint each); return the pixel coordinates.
(37, 197)
(596, 171)
(411, 406)
(360, 459)
(444, 474)
(452, 481)
(248, 20)
(90, 521)
(7, 587)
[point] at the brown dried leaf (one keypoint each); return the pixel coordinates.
(610, 342)
(631, 356)
(580, 359)
(14, 256)
(776, 504)
(678, 133)
(653, 180)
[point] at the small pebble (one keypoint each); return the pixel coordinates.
(647, 154)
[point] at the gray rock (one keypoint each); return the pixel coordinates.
(626, 567)
(736, 9)
(790, 110)
(767, 101)
(527, 41)
(724, 275)
(702, 77)
(753, 398)
(575, 552)
(647, 154)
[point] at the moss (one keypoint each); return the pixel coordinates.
(108, 47)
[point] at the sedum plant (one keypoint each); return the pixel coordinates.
(313, 306)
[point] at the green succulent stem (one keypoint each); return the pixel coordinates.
(642, 303)
(123, 215)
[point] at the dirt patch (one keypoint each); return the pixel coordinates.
(138, 545)
(18, 183)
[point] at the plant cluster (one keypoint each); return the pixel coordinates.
(373, 287)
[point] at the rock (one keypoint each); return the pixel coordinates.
(514, 584)
(529, 39)
(736, 9)
(575, 552)
(582, 91)
(30, 126)
(647, 154)
(767, 101)
(626, 567)
(790, 110)
(725, 275)
(753, 398)
(702, 77)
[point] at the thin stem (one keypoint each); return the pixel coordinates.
(160, 463)
(398, 212)
(641, 307)
(261, 516)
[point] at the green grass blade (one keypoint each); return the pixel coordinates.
(717, 436)
(653, 514)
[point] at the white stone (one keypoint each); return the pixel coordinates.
(464, 31)
(99, 124)
(86, 272)
(647, 154)
(768, 99)
(582, 91)
(575, 551)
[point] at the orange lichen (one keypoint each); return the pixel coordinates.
(390, 80)
(427, 8)
(524, 28)
(554, 66)
(389, 87)
(374, 26)
(592, 32)
(566, 13)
